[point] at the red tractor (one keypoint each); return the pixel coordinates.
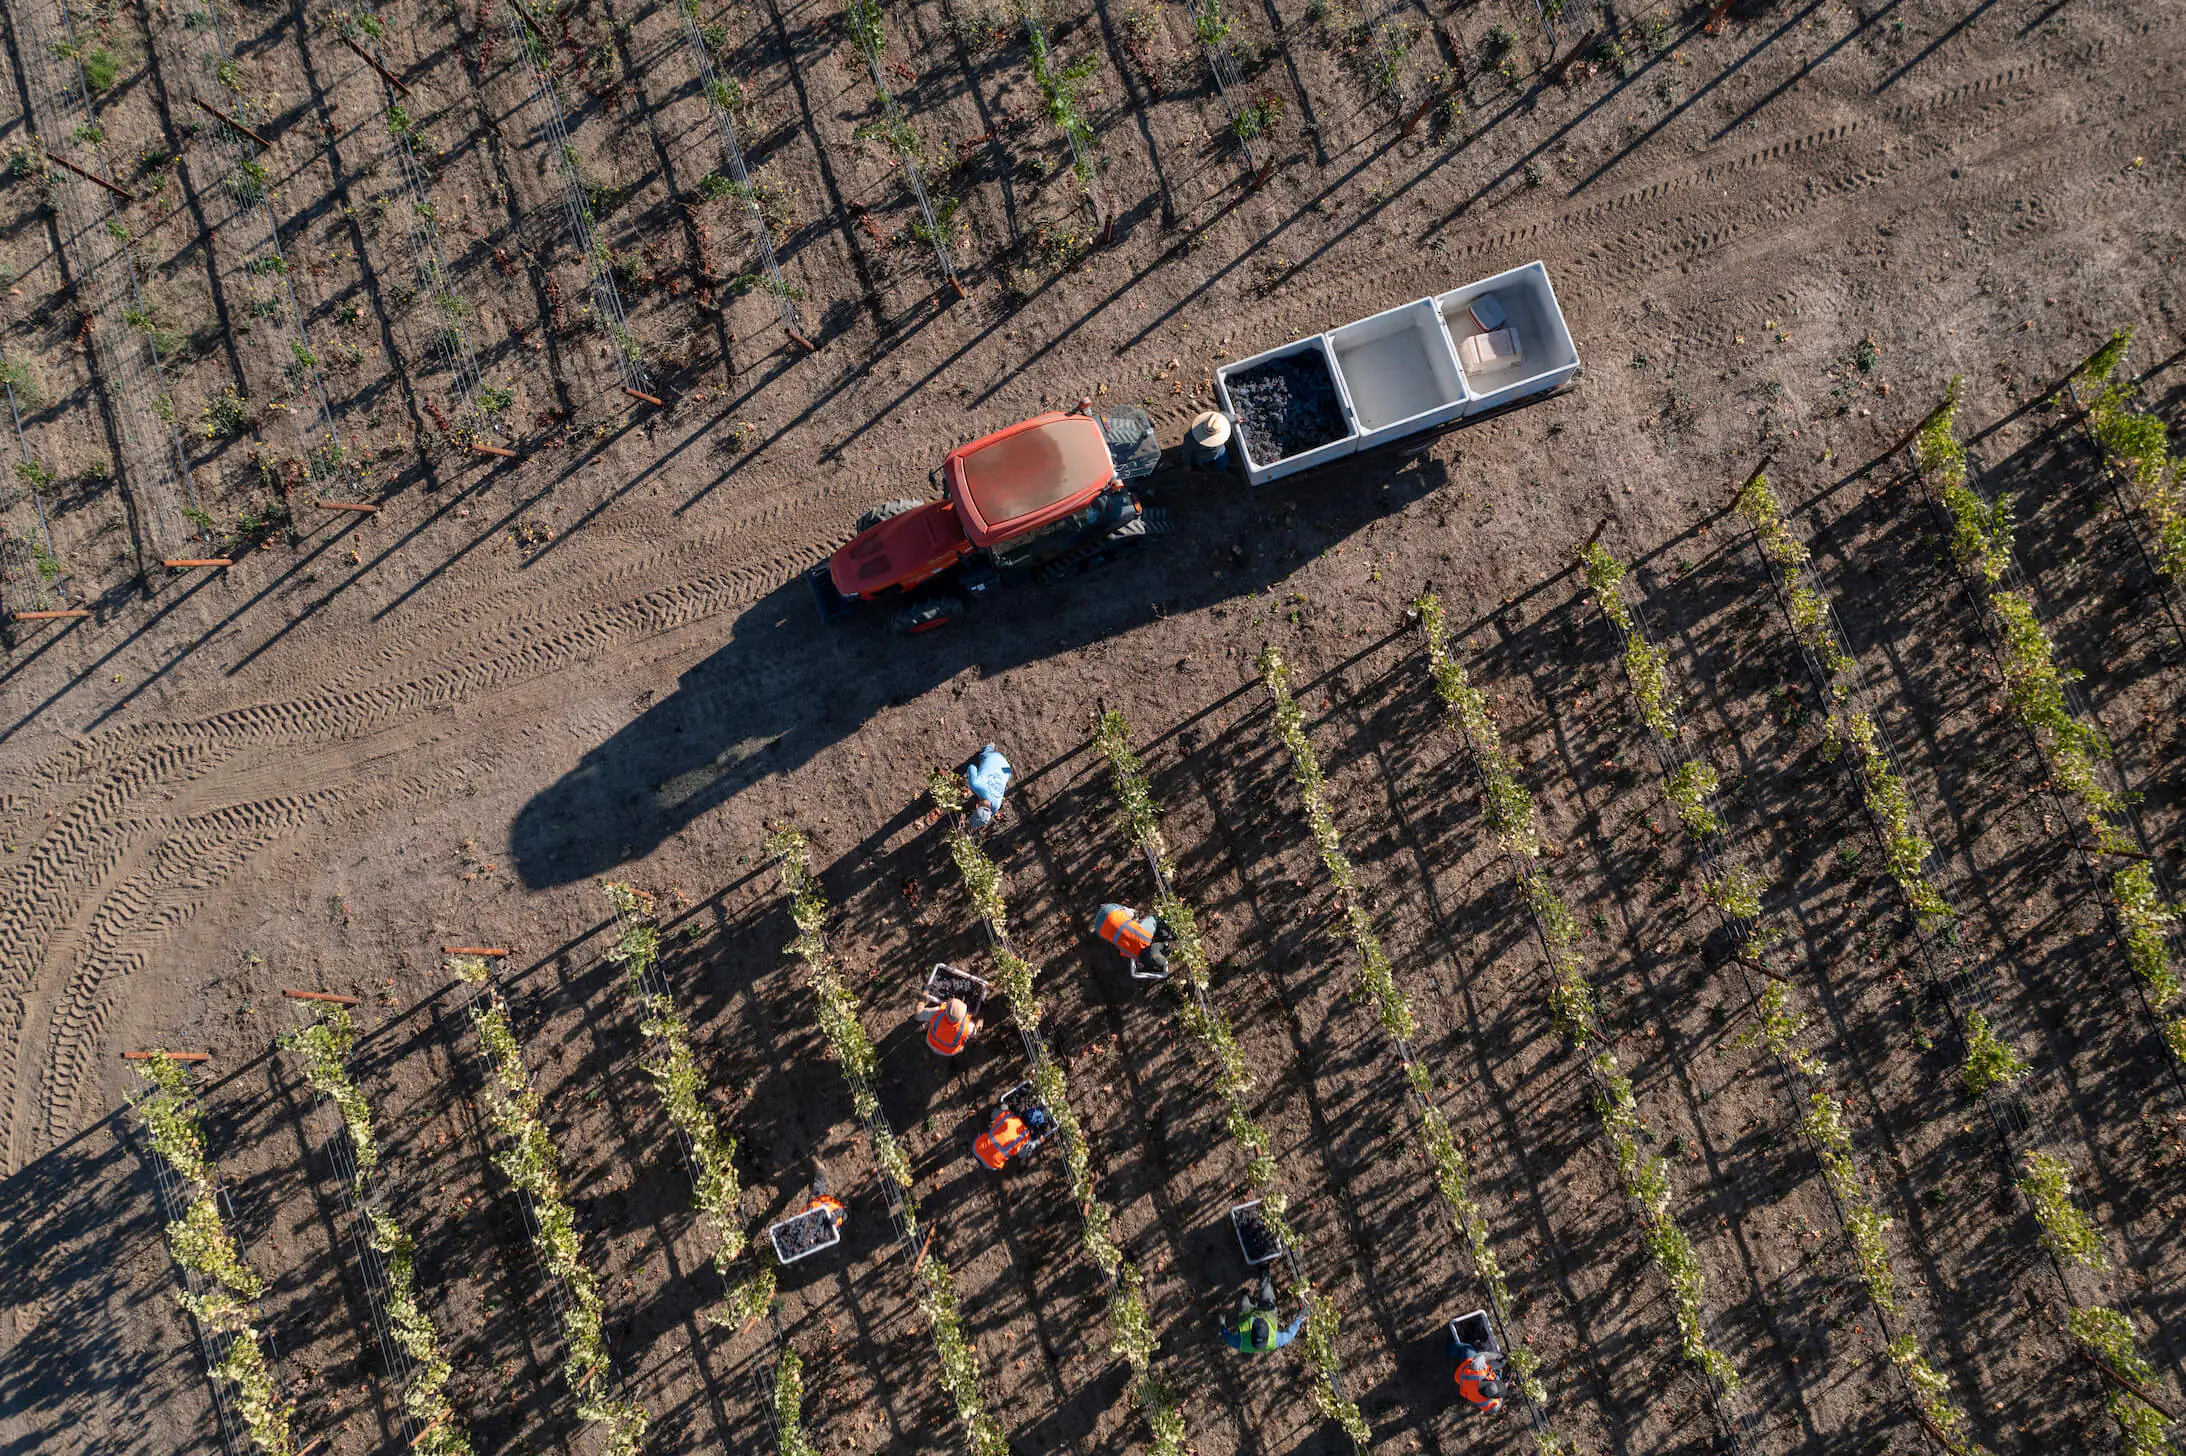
(1040, 501)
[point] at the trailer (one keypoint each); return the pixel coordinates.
(1432, 364)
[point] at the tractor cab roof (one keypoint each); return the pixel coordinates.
(1027, 476)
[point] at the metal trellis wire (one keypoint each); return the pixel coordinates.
(732, 152)
(161, 481)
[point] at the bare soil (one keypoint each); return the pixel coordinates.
(442, 723)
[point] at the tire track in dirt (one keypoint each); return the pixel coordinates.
(134, 923)
(91, 840)
(782, 494)
(143, 760)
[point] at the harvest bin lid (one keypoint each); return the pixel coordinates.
(1019, 479)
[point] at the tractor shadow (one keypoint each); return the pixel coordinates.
(785, 687)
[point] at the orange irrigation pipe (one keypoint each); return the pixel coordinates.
(319, 996)
(170, 1056)
(476, 950)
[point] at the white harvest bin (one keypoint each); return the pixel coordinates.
(1418, 366)
(1546, 357)
(1399, 370)
(1260, 471)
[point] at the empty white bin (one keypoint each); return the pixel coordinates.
(1546, 358)
(1400, 372)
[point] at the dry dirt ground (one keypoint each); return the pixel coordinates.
(443, 723)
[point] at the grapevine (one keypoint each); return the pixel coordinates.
(836, 1009)
(1233, 1080)
(532, 1165)
(1131, 1331)
(1377, 985)
(324, 1048)
(1571, 1002)
(675, 1075)
(2138, 444)
(202, 1244)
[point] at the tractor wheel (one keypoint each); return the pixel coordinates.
(886, 510)
(926, 616)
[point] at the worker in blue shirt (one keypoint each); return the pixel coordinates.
(1253, 1331)
(988, 777)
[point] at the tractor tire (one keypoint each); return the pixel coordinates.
(926, 616)
(886, 510)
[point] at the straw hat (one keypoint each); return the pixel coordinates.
(1211, 431)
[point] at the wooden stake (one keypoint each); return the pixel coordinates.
(494, 450)
(641, 394)
(1753, 965)
(809, 346)
(2129, 1385)
(421, 1435)
(476, 950)
(114, 187)
(385, 75)
(211, 110)
(320, 996)
(345, 506)
(48, 616)
(170, 1056)
(181, 562)
(314, 1444)
(1595, 537)
(1417, 112)
(1758, 471)
(922, 1250)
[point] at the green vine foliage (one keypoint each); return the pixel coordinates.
(2067, 1231)
(1645, 664)
(1208, 1028)
(2109, 1333)
(959, 1362)
(530, 1162)
(835, 1005)
(2147, 938)
(1059, 91)
(1130, 1326)
(2033, 683)
(1905, 849)
(789, 1406)
(1824, 1124)
(1571, 1003)
(324, 1048)
(1377, 984)
(1931, 1389)
(1809, 609)
(675, 1075)
(202, 1244)
(1991, 1064)
(836, 1008)
(1691, 785)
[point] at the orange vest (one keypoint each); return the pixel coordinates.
(834, 1206)
(1002, 1140)
(946, 1036)
(1469, 1375)
(1124, 933)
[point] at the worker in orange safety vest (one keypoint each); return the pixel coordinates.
(1008, 1136)
(817, 1197)
(1136, 938)
(1476, 1377)
(949, 1025)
